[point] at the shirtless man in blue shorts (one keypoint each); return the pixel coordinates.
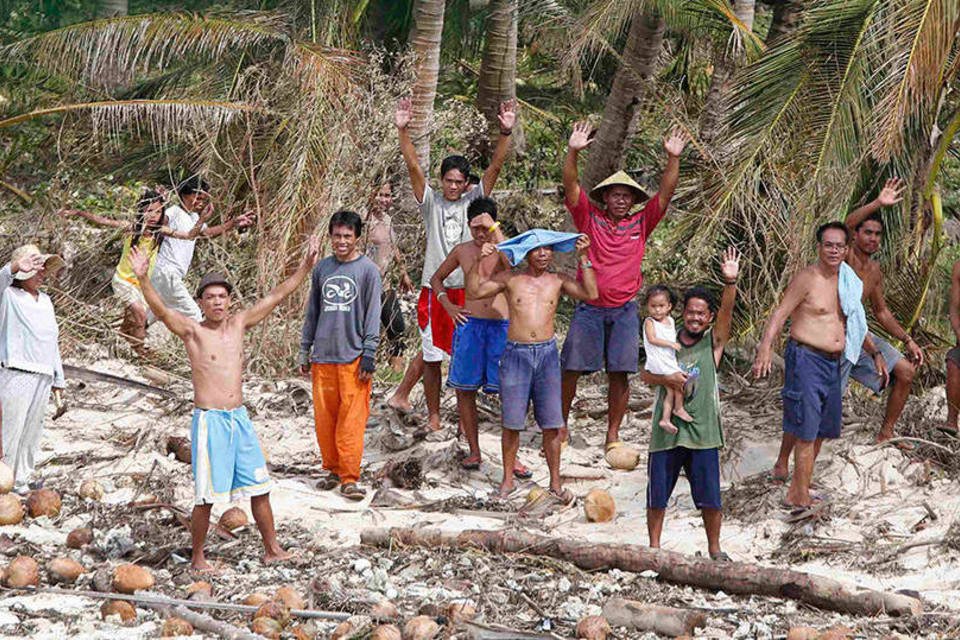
(227, 460)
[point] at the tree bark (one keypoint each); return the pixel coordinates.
(111, 8)
(785, 19)
(726, 62)
(731, 577)
(498, 70)
(637, 66)
(425, 41)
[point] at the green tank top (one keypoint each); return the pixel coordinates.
(701, 400)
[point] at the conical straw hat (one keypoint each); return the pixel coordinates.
(619, 178)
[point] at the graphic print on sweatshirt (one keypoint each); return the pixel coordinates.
(339, 292)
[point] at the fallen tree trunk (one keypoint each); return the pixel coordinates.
(731, 577)
(666, 621)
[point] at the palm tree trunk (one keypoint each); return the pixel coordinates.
(498, 69)
(728, 59)
(111, 8)
(425, 41)
(637, 66)
(786, 18)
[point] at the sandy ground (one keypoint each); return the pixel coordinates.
(878, 494)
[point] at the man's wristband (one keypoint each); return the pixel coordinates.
(494, 227)
(586, 265)
(506, 133)
(730, 282)
(441, 294)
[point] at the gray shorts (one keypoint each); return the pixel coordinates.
(603, 338)
(174, 293)
(865, 371)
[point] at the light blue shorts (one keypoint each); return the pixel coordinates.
(227, 461)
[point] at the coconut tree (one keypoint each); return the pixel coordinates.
(425, 39)
(498, 67)
(728, 57)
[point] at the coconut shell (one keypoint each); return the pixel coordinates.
(274, 610)
(174, 627)
(43, 502)
(200, 587)
(180, 448)
(22, 572)
(119, 608)
(599, 506)
(459, 612)
(6, 478)
(802, 633)
(420, 628)
(836, 633)
(90, 489)
(64, 570)
(353, 626)
(267, 627)
(256, 599)
(130, 578)
(593, 628)
(289, 598)
(11, 510)
(233, 518)
(623, 457)
(384, 609)
(386, 632)
(301, 632)
(79, 538)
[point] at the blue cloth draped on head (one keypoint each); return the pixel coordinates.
(517, 248)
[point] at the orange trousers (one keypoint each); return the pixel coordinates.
(341, 406)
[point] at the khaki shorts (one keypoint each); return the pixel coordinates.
(127, 292)
(174, 294)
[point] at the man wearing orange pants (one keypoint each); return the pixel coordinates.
(338, 348)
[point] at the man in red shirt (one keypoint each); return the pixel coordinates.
(605, 334)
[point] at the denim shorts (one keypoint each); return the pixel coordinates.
(702, 468)
(603, 338)
(865, 371)
(530, 372)
(477, 347)
(812, 395)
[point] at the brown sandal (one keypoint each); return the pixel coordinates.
(351, 491)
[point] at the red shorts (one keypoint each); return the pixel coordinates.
(430, 311)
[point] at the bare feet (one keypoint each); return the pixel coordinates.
(667, 426)
(903, 445)
(681, 413)
(278, 555)
(400, 404)
(200, 565)
(506, 488)
(433, 423)
(780, 473)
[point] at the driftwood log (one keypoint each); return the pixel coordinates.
(731, 577)
(666, 621)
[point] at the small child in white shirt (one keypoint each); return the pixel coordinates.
(661, 346)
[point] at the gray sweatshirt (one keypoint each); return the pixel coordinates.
(343, 313)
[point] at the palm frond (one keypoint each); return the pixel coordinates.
(119, 49)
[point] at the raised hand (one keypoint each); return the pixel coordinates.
(507, 116)
(675, 142)
(245, 219)
(207, 212)
(312, 252)
(26, 264)
(580, 138)
(485, 220)
(730, 264)
(404, 113)
(583, 243)
(892, 192)
(139, 262)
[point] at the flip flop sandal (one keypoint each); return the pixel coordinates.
(470, 464)
(720, 556)
(328, 482)
(351, 491)
(503, 497)
(776, 479)
(564, 497)
(798, 514)
(520, 472)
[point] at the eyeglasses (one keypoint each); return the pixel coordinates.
(834, 246)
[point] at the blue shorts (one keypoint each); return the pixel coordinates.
(477, 346)
(865, 371)
(530, 371)
(702, 468)
(603, 338)
(812, 395)
(227, 461)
